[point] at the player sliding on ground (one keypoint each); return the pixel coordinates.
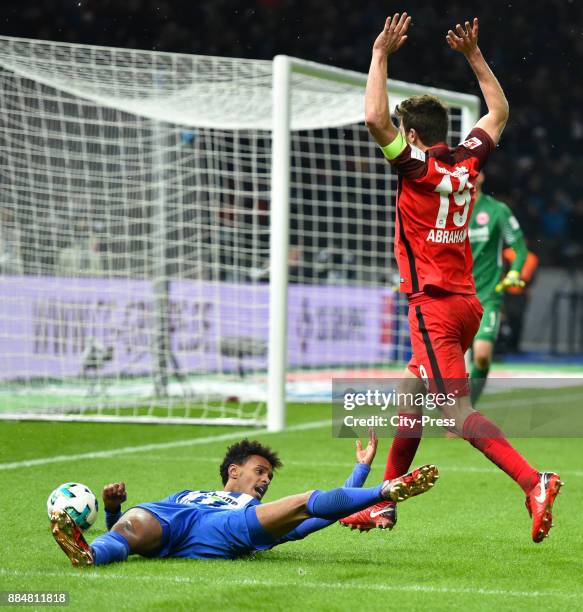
(230, 523)
(434, 203)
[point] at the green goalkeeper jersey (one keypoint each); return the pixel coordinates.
(492, 225)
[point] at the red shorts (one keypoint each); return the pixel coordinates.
(442, 329)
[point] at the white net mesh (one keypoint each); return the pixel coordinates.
(134, 234)
(200, 91)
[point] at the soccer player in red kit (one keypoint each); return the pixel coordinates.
(436, 193)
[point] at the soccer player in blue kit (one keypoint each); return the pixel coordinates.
(232, 522)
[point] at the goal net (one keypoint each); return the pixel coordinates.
(174, 243)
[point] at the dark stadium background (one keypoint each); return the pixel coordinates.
(534, 46)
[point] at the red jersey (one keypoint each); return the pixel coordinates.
(435, 199)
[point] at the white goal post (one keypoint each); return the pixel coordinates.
(283, 68)
(190, 239)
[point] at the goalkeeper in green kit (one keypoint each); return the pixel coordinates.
(492, 225)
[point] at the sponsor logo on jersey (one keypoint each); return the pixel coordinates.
(480, 234)
(447, 236)
(215, 499)
(482, 218)
(458, 172)
(472, 143)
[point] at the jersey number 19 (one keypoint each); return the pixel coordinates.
(461, 197)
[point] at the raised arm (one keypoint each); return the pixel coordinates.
(465, 41)
(364, 458)
(376, 100)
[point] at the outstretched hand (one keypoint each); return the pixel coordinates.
(367, 455)
(394, 34)
(113, 496)
(511, 280)
(464, 40)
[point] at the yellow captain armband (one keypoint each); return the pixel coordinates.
(395, 148)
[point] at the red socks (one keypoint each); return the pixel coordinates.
(489, 439)
(479, 432)
(404, 445)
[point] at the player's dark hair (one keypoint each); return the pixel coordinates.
(427, 116)
(239, 454)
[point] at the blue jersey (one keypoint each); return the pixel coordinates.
(223, 524)
(212, 500)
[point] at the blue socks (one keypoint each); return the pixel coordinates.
(338, 503)
(110, 548)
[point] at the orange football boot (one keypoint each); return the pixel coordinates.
(539, 503)
(384, 514)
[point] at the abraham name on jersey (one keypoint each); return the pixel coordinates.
(447, 236)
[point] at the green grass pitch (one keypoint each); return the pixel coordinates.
(464, 545)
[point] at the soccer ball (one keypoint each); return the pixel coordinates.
(77, 500)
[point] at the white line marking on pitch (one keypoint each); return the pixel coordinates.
(125, 450)
(218, 438)
(300, 582)
(345, 465)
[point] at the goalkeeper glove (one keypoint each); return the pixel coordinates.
(512, 279)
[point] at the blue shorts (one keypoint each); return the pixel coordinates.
(195, 533)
